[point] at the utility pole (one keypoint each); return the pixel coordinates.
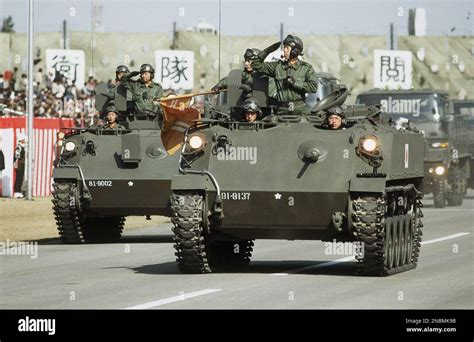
(391, 37)
(64, 34)
(30, 107)
(173, 44)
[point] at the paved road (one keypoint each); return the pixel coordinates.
(140, 272)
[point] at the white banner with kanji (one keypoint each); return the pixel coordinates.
(68, 63)
(392, 69)
(174, 69)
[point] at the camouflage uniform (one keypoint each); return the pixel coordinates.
(291, 97)
(143, 95)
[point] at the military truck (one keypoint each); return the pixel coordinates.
(465, 109)
(102, 176)
(446, 158)
(287, 177)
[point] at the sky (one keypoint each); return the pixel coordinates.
(247, 17)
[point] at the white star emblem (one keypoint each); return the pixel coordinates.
(277, 196)
(130, 183)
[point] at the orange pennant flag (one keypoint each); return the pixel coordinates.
(178, 116)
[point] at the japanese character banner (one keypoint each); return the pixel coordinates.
(175, 69)
(392, 69)
(68, 63)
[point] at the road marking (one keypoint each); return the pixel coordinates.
(446, 209)
(350, 258)
(169, 300)
(427, 242)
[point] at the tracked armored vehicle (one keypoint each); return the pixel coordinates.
(446, 157)
(103, 175)
(289, 177)
(465, 110)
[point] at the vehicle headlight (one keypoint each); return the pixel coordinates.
(61, 135)
(369, 144)
(196, 142)
(369, 150)
(439, 170)
(440, 144)
(70, 146)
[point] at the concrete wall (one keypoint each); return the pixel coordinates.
(349, 57)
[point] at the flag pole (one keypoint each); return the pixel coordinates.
(30, 107)
(185, 96)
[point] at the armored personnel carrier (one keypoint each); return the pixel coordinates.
(103, 175)
(465, 109)
(288, 177)
(446, 157)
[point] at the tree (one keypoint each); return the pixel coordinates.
(8, 25)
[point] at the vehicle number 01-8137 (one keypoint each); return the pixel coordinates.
(236, 196)
(102, 183)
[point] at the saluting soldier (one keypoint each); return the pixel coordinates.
(293, 77)
(120, 72)
(145, 93)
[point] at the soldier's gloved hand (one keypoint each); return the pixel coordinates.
(127, 77)
(132, 74)
(289, 81)
(245, 87)
(269, 50)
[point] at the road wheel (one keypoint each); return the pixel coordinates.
(439, 193)
(456, 196)
(402, 240)
(388, 242)
(409, 237)
(396, 241)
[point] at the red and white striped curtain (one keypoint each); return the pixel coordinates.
(45, 136)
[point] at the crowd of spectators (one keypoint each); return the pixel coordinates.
(54, 96)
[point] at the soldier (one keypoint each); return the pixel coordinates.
(247, 74)
(112, 116)
(19, 165)
(120, 72)
(293, 78)
(335, 118)
(251, 110)
(145, 93)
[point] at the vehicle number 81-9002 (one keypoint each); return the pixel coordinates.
(236, 196)
(102, 183)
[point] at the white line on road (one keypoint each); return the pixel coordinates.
(447, 209)
(350, 258)
(164, 301)
(427, 242)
